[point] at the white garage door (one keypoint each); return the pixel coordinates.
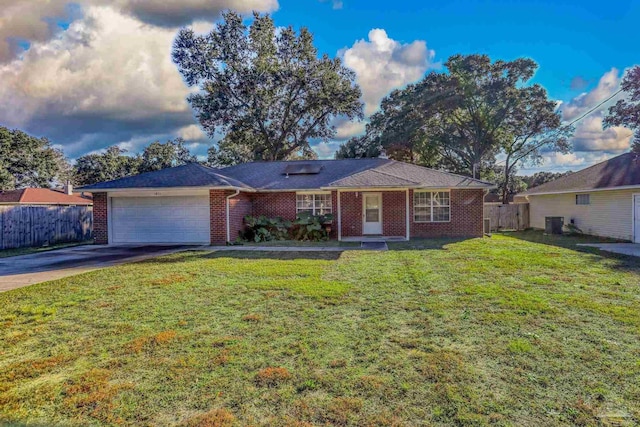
(180, 219)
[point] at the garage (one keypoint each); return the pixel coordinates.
(166, 219)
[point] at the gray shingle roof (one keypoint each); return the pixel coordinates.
(345, 173)
(400, 174)
(620, 171)
(271, 176)
(189, 175)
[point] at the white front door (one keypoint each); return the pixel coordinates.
(636, 218)
(372, 213)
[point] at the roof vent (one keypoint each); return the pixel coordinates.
(302, 169)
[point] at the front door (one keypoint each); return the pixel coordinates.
(372, 213)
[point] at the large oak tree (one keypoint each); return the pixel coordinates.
(264, 89)
(27, 161)
(461, 119)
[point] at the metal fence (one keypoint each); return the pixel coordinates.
(31, 226)
(514, 216)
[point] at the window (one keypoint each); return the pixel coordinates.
(314, 203)
(431, 206)
(583, 199)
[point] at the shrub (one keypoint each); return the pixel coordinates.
(306, 227)
(311, 227)
(263, 229)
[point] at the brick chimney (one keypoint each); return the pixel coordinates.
(69, 188)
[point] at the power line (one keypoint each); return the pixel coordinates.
(594, 108)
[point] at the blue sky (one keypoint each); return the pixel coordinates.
(90, 73)
(583, 39)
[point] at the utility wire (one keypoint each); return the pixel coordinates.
(593, 108)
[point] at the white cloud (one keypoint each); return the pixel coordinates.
(590, 136)
(106, 63)
(559, 162)
(608, 84)
(176, 13)
(93, 73)
(347, 129)
(382, 64)
(326, 150)
(35, 21)
(191, 133)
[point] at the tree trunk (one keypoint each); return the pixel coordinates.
(505, 184)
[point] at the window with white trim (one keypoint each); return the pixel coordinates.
(431, 206)
(314, 203)
(583, 199)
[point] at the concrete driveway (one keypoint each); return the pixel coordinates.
(632, 249)
(24, 270)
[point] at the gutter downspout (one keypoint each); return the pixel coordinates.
(227, 206)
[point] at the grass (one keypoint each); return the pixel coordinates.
(495, 331)
(26, 251)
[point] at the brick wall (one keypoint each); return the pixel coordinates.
(218, 216)
(334, 209)
(239, 207)
(394, 211)
(100, 222)
(351, 218)
(466, 217)
(394, 207)
(275, 204)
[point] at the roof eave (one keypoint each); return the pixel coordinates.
(584, 190)
(198, 187)
(412, 187)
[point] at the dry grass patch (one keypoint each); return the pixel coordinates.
(149, 342)
(214, 418)
(255, 318)
(92, 395)
(272, 376)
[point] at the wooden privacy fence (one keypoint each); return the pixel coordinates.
(25, 226)
(514, 216)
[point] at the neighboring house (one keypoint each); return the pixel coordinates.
(367, 197)
(43, 196)
(602, 200)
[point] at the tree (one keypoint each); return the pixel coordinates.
(540, 178)
(532, 125)
(266, 90)
(27, 161)
(112, 164)
(359, 147)
(516, 184)
(398, 130)
(626, 112)
(460, 120)
(158, 156)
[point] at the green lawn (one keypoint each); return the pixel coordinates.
(502, 331)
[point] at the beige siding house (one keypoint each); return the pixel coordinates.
(602, 200)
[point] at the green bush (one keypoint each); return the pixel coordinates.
(305, 227)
